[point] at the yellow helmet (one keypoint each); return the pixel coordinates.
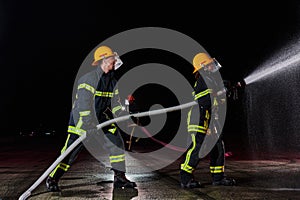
(200, 60)
(102, 52)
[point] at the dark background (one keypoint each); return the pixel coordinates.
(42, 45)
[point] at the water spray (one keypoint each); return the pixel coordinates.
(283, 60)
(292, 61)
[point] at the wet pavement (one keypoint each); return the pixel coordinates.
(23, 161)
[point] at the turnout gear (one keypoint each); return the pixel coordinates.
(187, 180)
(203, 60)
(191, 184)
(134, 107)
(100, 53)
(120, 180)
(103, 52)
(97, 100)
(52, 185)
(224, 181)
(107, 100)
(66, 163)
(199, 128)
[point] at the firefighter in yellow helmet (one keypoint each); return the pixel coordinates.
(97, 100)
(199, 127)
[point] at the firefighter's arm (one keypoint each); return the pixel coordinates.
(220, 96)
(116, 107)
(200, 92)
(85, 102)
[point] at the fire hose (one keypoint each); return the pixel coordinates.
(27, 193)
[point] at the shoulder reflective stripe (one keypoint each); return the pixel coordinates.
(118, 158)
(196, 130)
(196, 126)
(203, 93)
(72, 129)
(116, 91)
(87, 87)
(104, 94)
(84, 113)
(115, 109)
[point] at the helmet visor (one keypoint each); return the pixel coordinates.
(118, 62)
(212, 66)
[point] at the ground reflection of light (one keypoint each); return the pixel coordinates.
(285, 59)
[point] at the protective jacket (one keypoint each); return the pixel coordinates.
(97, 99)
(206, 87)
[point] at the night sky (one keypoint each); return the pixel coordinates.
(43, 45)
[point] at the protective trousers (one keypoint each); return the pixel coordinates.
(198, 132)
(114, 144)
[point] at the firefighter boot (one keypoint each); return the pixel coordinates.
(187, 180)
(52, 185)
(120, 180)
(224, 181)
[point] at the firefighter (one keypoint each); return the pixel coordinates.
(199, 127)
(92, 105)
